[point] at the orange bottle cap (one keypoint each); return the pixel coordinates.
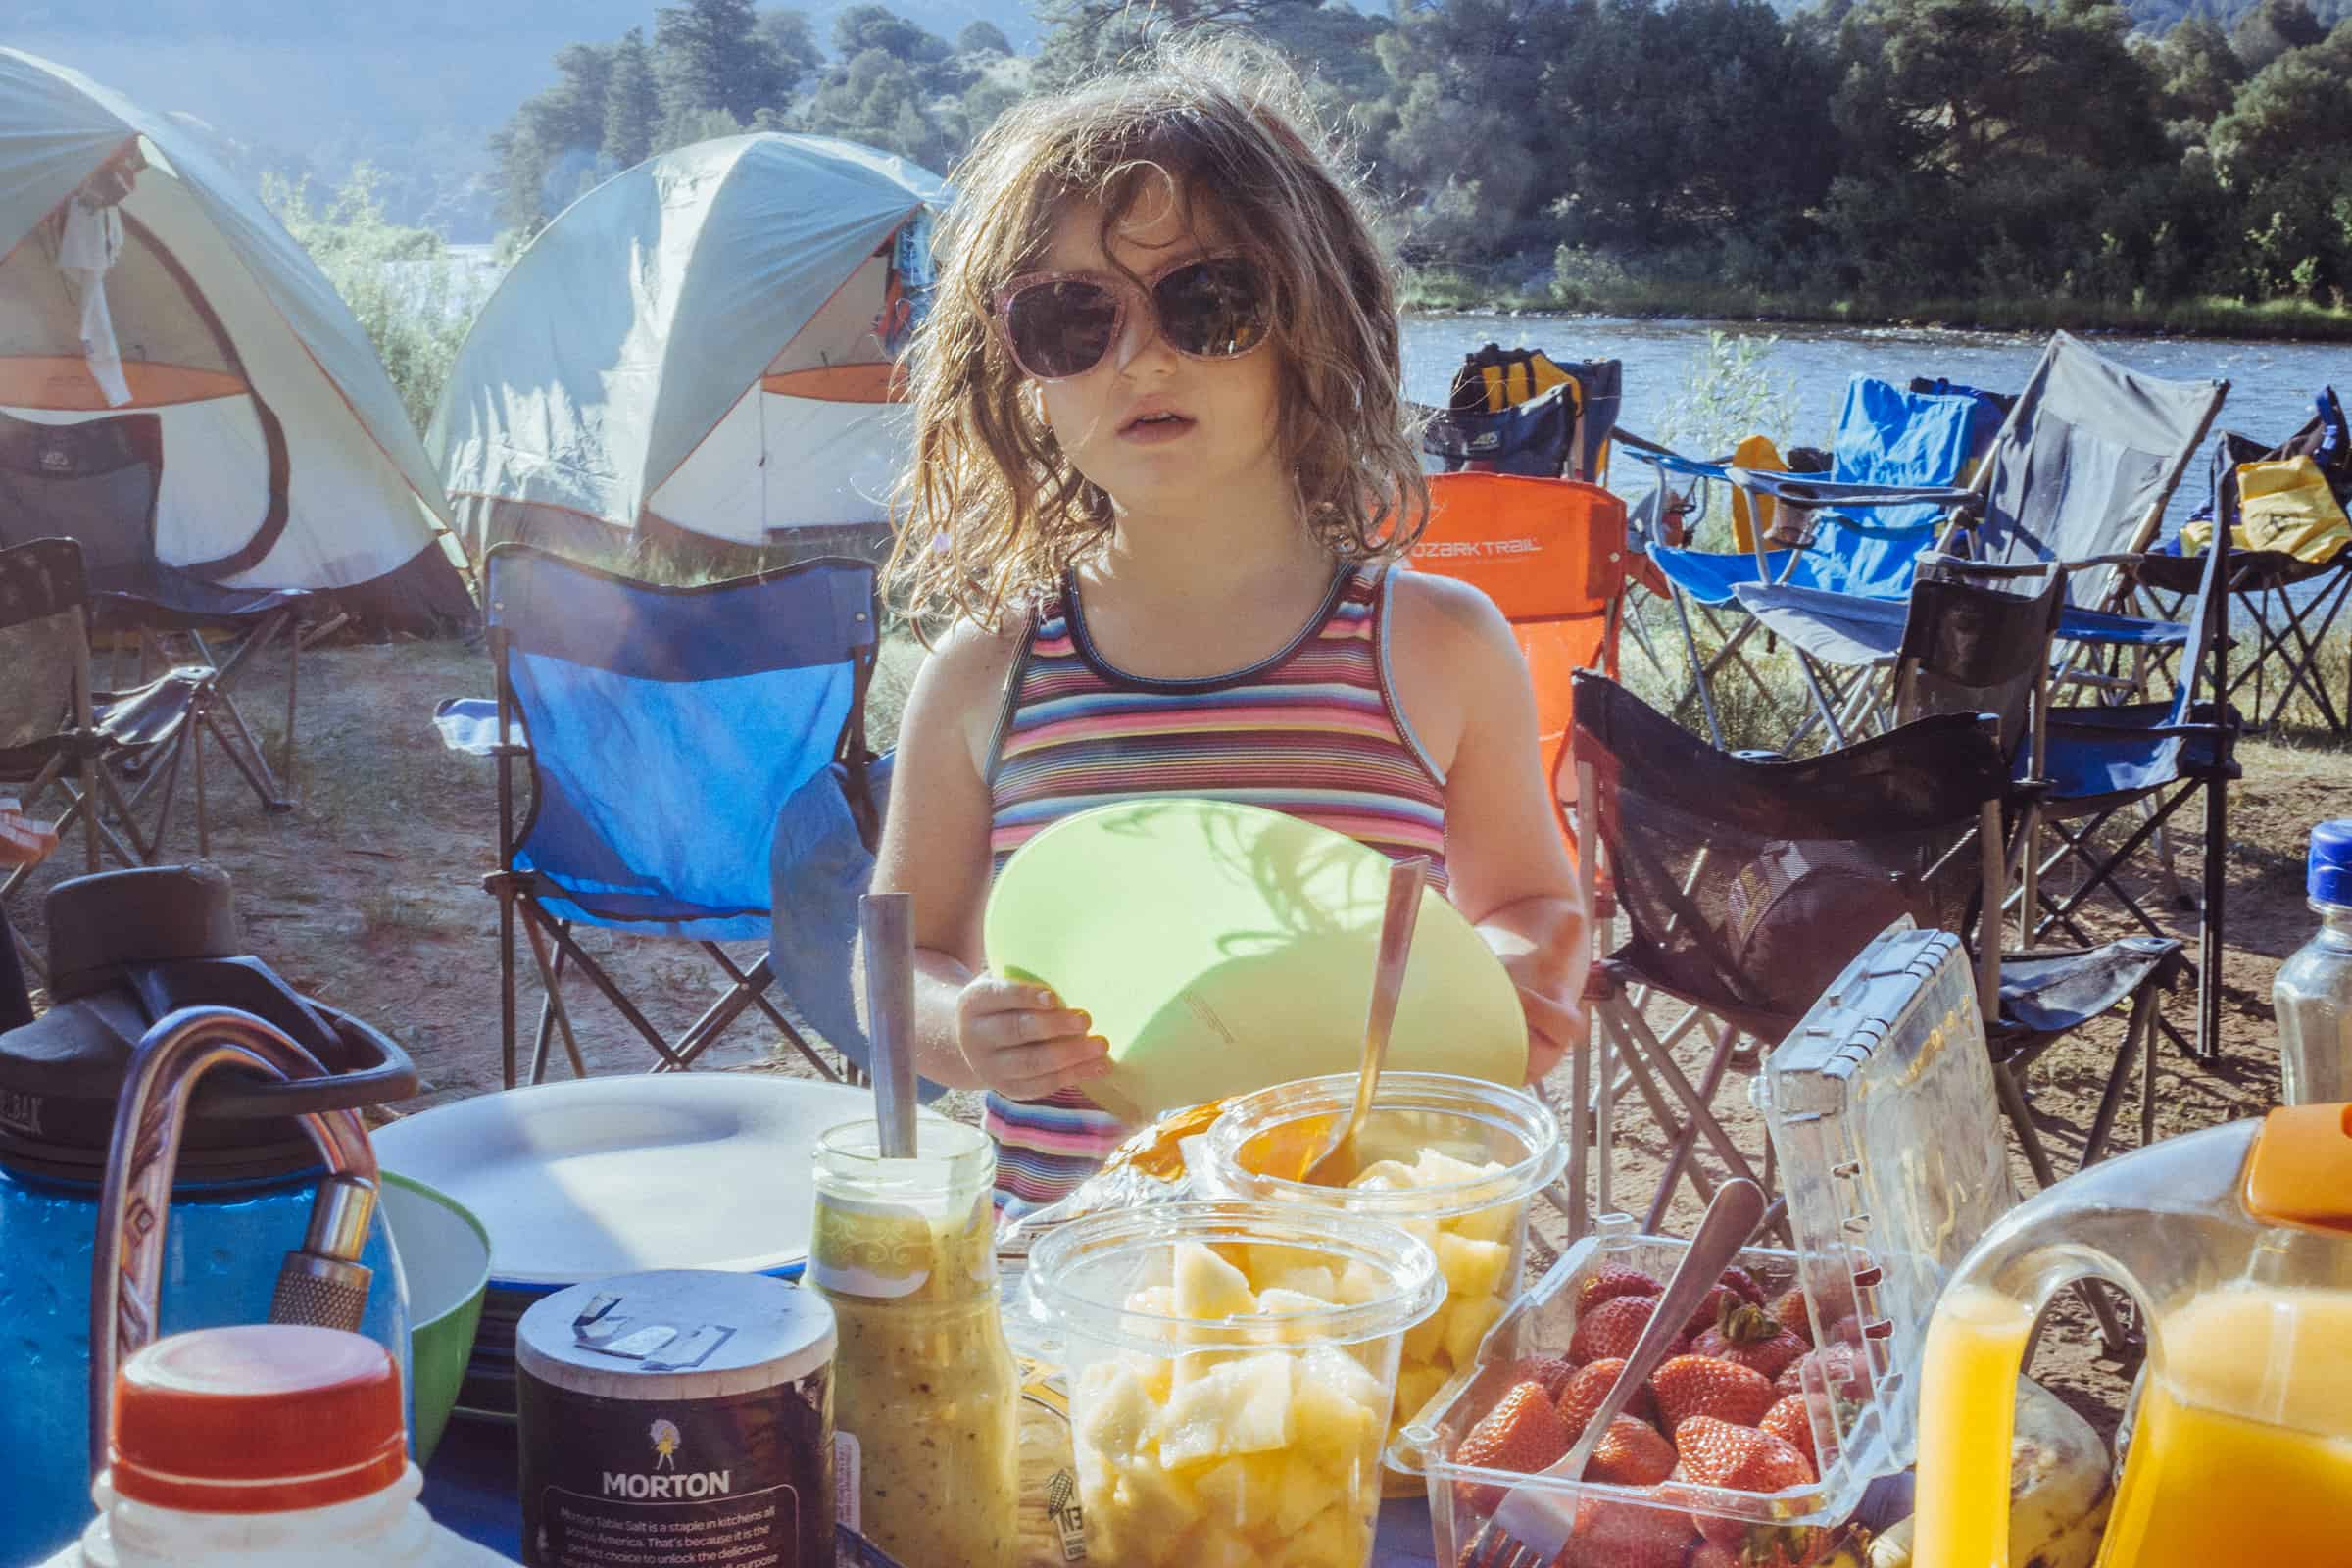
(2300, 1172)
(262, 1418)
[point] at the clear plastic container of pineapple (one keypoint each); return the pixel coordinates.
(1452, 1161)
(1231, 1367)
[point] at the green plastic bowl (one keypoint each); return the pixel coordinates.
(444, 1255)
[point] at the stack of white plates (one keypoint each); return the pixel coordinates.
(585, 1180)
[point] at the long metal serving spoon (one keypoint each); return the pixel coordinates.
(1338, 1164)
(886, 933)
(1532, 1526)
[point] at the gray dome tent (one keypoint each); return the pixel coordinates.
(142, 286)
(706, 341)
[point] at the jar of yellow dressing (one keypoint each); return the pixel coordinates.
(926, 1401)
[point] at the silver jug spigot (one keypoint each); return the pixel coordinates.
(323, 1283)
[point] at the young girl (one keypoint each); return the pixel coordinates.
(1162, 461)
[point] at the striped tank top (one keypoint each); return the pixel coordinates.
(1314, 730)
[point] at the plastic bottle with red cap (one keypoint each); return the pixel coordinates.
(266, 1445)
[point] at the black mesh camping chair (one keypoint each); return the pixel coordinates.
(1747, 884)
(1979, 641)
(57, 736)
(99, 482)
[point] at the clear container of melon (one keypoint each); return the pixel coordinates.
(1454, 1162)
(1231, 1367)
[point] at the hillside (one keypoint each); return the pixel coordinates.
(296, 86)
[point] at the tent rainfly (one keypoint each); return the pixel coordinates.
(706, 341)
(141, 286)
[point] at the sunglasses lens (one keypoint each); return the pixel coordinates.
(1213, 308)
(1061, 328)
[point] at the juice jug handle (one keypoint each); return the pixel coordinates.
(1978, 1342)
(324, 1283)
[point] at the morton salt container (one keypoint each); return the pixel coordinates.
(677, 1416)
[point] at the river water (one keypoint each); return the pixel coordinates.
(2271, 383)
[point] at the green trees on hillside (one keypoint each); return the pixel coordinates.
(1860, 150)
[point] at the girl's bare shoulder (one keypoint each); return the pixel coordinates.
(1445, 619)
(961, 683)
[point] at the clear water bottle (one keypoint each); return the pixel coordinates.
(2313, 995)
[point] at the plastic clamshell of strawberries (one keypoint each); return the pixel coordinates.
(1849, 1432)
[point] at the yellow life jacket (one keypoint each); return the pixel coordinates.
(2283, 506)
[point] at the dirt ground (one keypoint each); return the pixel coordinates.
(369, 895)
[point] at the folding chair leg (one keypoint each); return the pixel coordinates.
(551, 1009)
(2013, 1106)
(2141, 1029)
(720, 1014)
(1698, 673)
(775, 1015)
(506, 976)
(614, 993)
(1726, 1039)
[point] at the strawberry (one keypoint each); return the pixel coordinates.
(1787, 1310)
(1522, 1433)
(1747, 1335)
(1610, 1328)
(1590, 1385)
(1692, 1386)
(1740, 1280)
(1710, 1555)
(1553, 1372)
(1620, 1535)
(1614, 1280)
(1842, 1369)
(1787, 1421)
(1718, 1453)
(1631, 1453)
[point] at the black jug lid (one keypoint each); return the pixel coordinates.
(129, 948)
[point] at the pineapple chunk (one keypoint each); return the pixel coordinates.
(1306, 1279)
(1423, 1340)
(1434, 1168)
(1242, 1407)
(1496, 1222)
(1152, 1504)
(1471, 1269)
(1116, 1411)
(1385, 1176)
(1209, 1286)
(1215, 1547)
(1414, 1385)
(1466, 1323)
(1244, 1492)
(1359, 1283)
(1333, 1539)
(1336, 1406)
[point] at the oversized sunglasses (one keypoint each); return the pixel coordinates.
(1060, 324)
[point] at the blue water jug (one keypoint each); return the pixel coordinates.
(129, 952)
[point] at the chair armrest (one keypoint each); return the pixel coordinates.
(1801, 490)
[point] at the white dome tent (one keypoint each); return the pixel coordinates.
(146, 295)
(706, 341)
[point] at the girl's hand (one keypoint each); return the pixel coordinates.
(1552, 999)
(1021, 1042)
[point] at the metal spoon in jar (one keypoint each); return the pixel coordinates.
(1339, 1165)
(886, 933)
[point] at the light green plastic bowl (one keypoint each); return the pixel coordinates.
(444, 1255)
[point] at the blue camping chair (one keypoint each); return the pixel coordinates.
(1886, 437)
(665, 730)
(2078, 476)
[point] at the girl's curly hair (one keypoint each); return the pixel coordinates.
(993, 512)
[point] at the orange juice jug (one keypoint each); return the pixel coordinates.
(2238, 1244)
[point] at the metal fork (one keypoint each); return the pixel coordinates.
(1532, 1526)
